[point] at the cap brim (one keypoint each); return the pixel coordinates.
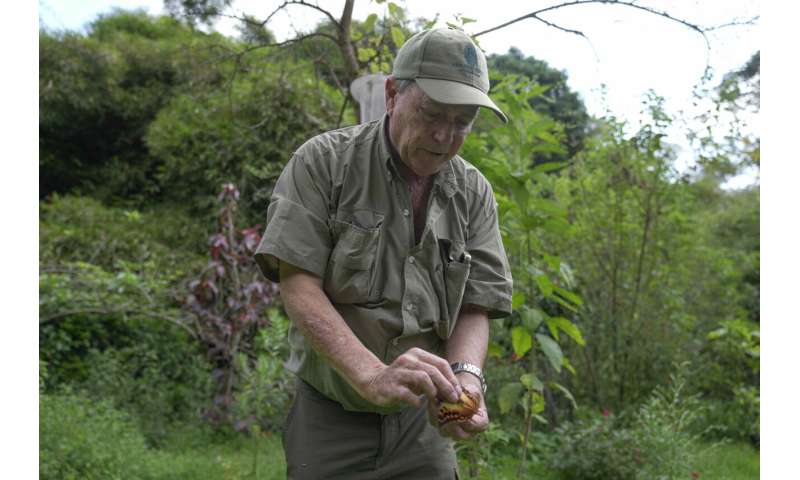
(456, 93)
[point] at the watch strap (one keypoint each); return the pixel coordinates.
(467, 367)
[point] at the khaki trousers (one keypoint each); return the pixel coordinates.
(323, 441)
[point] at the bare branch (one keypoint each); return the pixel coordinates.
(631, 4)
(305, 4)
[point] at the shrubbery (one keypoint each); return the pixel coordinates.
(88, 440)
(657, 441)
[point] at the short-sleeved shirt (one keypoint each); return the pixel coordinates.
(342, 211)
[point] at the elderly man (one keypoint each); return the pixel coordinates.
(390, 262)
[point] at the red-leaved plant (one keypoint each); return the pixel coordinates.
(229, 301)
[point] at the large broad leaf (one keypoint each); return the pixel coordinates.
(567, 327)
(509, 395)
(531, 318)
(369, 24)
(521, 340)
(545, 285)
(551, 350)
(531, 382)
(397, 36)
(572, 297)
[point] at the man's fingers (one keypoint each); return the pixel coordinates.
(420, 382)
(440, 372)
(443, 389)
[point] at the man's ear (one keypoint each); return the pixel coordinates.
(390, 93)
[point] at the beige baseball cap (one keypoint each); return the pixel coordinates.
(448, 67)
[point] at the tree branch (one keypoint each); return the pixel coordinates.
(305, 4)
(535, 15)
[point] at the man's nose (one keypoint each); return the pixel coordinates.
(443, 133)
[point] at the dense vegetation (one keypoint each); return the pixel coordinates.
(633, 349)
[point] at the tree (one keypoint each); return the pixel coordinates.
(558, 101)
(97, 95)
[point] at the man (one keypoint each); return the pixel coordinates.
(390, 263)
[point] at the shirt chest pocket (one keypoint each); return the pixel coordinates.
(454, 272)
(350, 276)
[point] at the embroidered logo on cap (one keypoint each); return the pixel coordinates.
(470, 55)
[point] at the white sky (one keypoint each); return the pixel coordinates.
(628, 51)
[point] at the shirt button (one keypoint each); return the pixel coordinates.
(411, 260)
(405, 212)
(409, 306)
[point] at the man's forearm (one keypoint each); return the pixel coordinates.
(470, 339)
(312, 312)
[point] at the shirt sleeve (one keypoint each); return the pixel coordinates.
(297, 230)
(489, 284)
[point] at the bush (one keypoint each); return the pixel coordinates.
(663, 431)
(81, 439)
(595, 449)
(265, 386)
(655, 442)
(243, 134)
(82, 229)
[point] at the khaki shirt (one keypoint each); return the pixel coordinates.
(342, 211)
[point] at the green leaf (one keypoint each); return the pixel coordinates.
(521, 341)
(369, 23)
(517, 300)
(553, 329)
(466, 20)
(508, 396)
(572, 297)
(364, 54)
(531, 318)
(566, 393)
(394, 9)
(495, 350)
(718, 333)
(397, 36)
(569, 328)
(568, 366)
(557, 226)
(545, 285)
(531, 382)
(551, 350)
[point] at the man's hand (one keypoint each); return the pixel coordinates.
(465, 430)
(414, 374)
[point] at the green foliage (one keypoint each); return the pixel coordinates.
(162, 380)
(663, 430)
(531, 225)
(243, 134)
(265, 386)
(79, 438)
(87, 439)
(557, 101)
(81, 229)
(595, 449)
(657, 441)
(109, 322)
(97, 94)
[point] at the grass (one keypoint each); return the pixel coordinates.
(730, 461)
(237, 458)
(737, 461)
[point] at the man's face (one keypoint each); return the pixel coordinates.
(426, 134)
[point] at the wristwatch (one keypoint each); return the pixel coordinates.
(459, 367)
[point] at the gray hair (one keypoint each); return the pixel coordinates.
(402, 84)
